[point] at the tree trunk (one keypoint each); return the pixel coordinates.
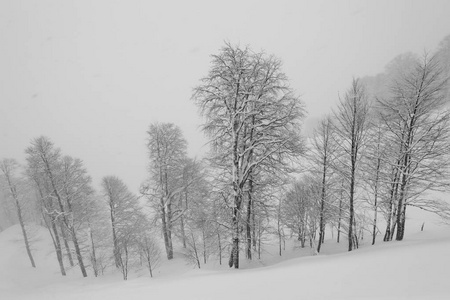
(165, 233)
(116, 251)
(183, 233)
(249, 219)
(392, 203)
(259, 239)
(169, 230)
(322, 201)
(352, 195)
(78, 252)
(149, 264)
(6, 168)
(197, 260)
(168, 216)
(58, 247)
(220, 248)
(21, 222)
(340, 218)
(234, 255)
(254, 239)
(204, 244)
(94, 257)
(401, 203)
(375, 205)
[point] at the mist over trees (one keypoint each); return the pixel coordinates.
(383, 150)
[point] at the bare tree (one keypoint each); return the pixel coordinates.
(374, 171)
(167, 151)
(322, 155)
(47, 160)
(252, 116)
(49, 212)
(419, 124)
(123, 208)
(351, 124)
(150, 251)
(301, 209)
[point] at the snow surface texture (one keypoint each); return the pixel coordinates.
(417, 268)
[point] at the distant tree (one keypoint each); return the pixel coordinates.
(193, 182)
(252, 117)
(167, 152)
(7, 215)
(128, 243)
(301, 209)
(9, 168)
(149, 250)
(123, 210)
(97, 224)
(443, 57)
(200, 220)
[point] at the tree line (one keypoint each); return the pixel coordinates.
(384, 148)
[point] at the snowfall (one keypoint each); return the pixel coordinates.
(416, 268)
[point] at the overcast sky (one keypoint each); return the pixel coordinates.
(92, 75)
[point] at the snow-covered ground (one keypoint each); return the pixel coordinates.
(417, 268)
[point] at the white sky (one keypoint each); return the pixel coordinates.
(92, 75)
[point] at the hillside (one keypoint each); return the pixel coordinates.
(418, 268)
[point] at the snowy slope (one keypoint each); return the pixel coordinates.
(418, 268)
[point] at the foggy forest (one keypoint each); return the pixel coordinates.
(352, 201)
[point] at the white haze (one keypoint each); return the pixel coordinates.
(92, 75)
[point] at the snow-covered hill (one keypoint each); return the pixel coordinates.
(417, 268)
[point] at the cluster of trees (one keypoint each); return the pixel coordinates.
(88, 229)
(377, 153)
(384, 147)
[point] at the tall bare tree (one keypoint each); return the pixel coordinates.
(16, 191)
(252, 117)
(351, 124)
(324, 148)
